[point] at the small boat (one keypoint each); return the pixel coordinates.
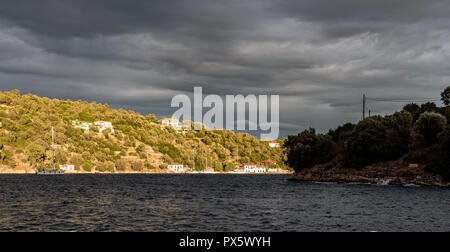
(50, 170)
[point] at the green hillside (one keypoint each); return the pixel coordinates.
(138, 142)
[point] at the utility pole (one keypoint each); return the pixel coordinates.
(364, 106)
(369, 112)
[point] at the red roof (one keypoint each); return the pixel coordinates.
(268, 161)
(175, 164)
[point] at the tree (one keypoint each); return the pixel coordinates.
(378, 139)
(427, 128)
(60, 157)
(398, 133)
(429, 107)
(441, 163)
(35, 154)
(445, 96)
(414, 109)
(77, 160)
(308, 149)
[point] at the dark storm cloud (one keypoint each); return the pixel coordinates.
(320, 56)
(86, 17)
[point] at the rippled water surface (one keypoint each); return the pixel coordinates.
(214, 203)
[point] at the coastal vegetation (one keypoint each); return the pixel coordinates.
(416, 135)
(138, 143)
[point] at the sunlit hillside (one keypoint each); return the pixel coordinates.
(134, 143)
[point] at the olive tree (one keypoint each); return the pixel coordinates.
(428, 127)
(445, 96)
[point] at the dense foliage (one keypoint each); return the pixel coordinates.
(137, 144)
(308, 149)
(418, 134)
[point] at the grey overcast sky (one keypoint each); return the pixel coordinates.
(319, 56)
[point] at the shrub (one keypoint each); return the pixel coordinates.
(5, 155)
(149, 166)
(137, 166)
(218, 167)
(76, 160)
(87, 166)
(121, 164)
(107, 166)
(142, 155)
(427, 128)
(440, 166)
(229, 167)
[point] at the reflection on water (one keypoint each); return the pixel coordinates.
(214, 203)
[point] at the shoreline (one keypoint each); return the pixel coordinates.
(339, 178)
(343, 178)
(310, 175)
(9, 172)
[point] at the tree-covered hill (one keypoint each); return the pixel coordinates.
(417, 135)
(138, 142)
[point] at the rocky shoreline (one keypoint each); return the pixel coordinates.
(372, 175)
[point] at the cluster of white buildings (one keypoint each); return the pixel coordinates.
(274, 145)
(101, 125)
(175, 123)
(253, 168)
(267, 166)
(175, 167)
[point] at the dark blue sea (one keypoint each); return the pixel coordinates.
(214, 203)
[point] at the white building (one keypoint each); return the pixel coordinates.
(86, 126)
(253, 168)
(172, 122)
(101, 125)
(274, 145)
(67, 168)
(175, 167)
